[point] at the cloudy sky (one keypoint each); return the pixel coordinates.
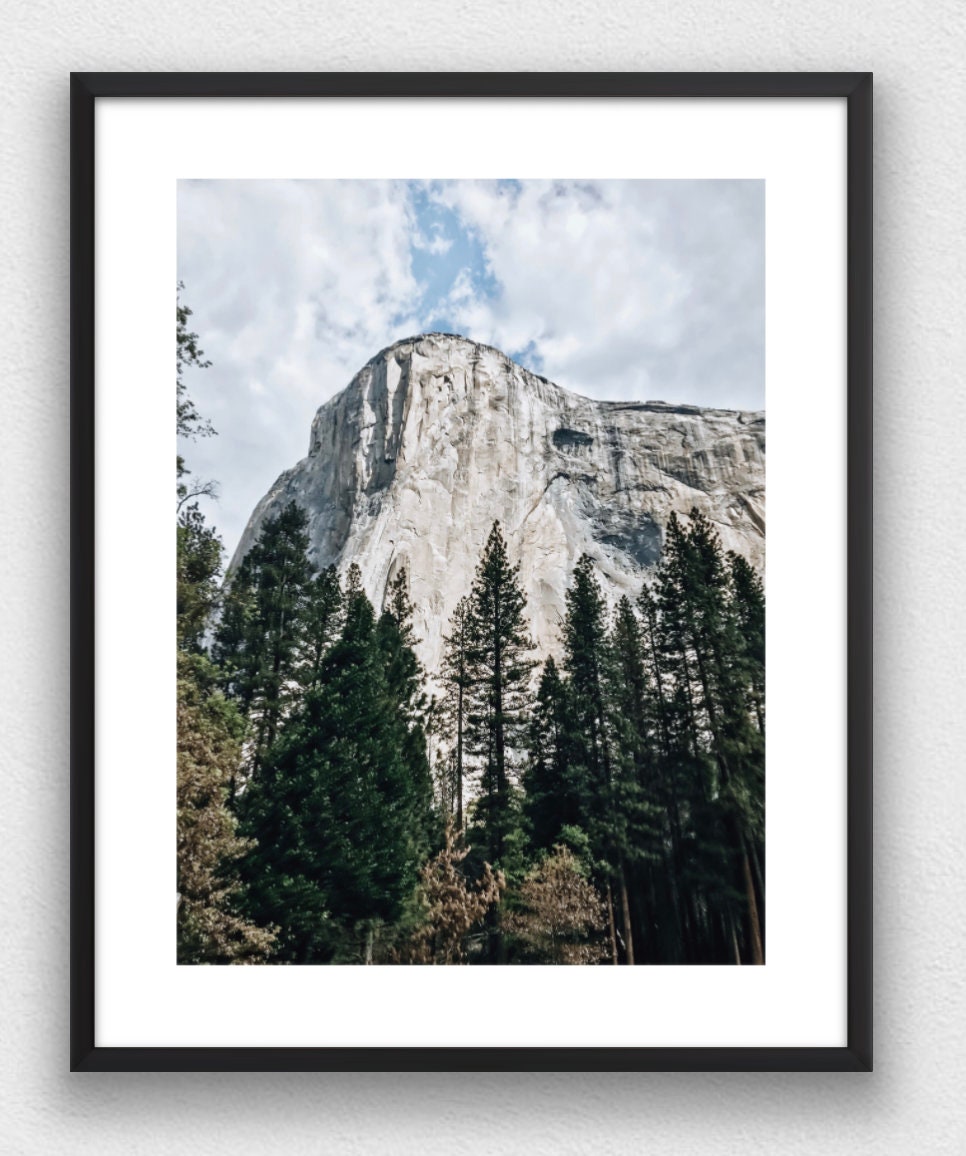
(615, 289)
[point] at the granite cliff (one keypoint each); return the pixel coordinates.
(437, 437)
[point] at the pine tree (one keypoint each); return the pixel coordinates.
(587, 659)
(631, 691)
(404, 673)
(748, 607)
(638, 804)
(500, 668)
(405, 678)
(456, 681)
(321, 622)
(748, 602)
(260, 636)
(746, 710)
(339, 818)
(554, 796)
(353, 583)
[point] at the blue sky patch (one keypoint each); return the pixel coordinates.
(437, 268)
(445, 253)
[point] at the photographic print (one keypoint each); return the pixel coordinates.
(451, 624)
(470, 572)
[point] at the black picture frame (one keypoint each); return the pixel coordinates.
(856, 89)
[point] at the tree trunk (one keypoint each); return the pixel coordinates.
(757, 951)
(610, 922)
(734, 940)
(626, 915)
(459, 760)
(759, 887)
(498, 736)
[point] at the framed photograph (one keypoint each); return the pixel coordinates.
(423, 625)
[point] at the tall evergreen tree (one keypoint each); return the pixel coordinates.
(456, 680)
(261, 632)
(639, 805)
(321, 622)
(500, 668)
(554, 795)
(405, 678)
(748, 601)
(336, 812)
(587, 659)
(670, 893)
(397, 638)
(631, 691)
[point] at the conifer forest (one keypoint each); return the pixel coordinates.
(337, 805)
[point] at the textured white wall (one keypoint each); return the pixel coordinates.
(914, 1101)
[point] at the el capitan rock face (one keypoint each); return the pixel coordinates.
(437, 437)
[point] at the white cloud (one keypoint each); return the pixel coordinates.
(625, 288)
(294, 286)
(436, 245)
